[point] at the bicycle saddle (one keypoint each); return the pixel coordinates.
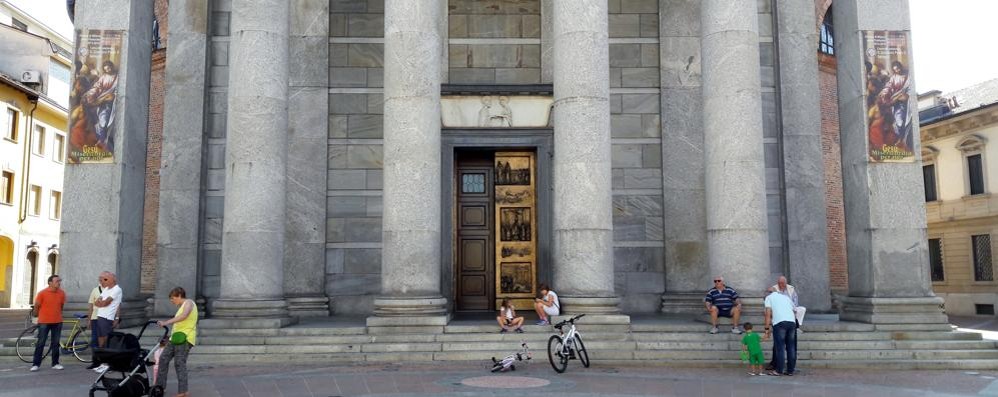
(79, 316)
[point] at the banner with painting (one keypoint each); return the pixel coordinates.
(889, 89)
(92, 96)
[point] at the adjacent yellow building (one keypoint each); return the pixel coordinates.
(959, 133)
(34, 87)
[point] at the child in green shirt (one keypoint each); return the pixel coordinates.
(752, 344)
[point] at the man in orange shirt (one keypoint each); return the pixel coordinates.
(48, 308)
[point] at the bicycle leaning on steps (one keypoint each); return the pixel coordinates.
(76, 341)
(567, 345)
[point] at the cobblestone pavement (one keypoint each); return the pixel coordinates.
(474, 379)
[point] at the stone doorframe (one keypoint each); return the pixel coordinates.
(541, 140)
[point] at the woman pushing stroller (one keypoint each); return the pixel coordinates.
(182, 339)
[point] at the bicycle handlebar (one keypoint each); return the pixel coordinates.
(569, 321)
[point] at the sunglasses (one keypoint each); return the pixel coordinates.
(718, 281)
(104, 279)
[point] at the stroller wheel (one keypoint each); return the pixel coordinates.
(156, 391)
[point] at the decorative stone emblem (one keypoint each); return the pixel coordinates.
(495, 111)
(495, 115)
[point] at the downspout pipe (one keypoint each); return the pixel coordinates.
(26, 161)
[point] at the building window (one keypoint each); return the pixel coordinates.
(473, 183)
(929, 177)
(19, 25)
(10, 124)
(7, 188)
(38, 141)
(59, 148)
(975, 172)
(826, 43)
(35, 201)
(55, 205)
(983, 270)
(936, 259)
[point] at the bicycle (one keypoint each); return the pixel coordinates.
(77, 340)
(509, 361)
(566, 346)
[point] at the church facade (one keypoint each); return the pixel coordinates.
(412, 159)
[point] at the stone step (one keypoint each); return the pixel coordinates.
(914, 327)
(936, 335)
(827, 354)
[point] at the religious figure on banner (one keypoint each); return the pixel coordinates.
(93, 95)
(890, 124)
(896, 94)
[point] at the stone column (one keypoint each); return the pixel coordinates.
(410, 266)
(308, 122)
(737, 241)
(685, 231)
(885, 211)
(583, 223)
(803, 170)
(255, 163)
(180, 167)
(102, 222)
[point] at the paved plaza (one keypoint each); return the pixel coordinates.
(537, 378)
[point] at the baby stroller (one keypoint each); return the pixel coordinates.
(123, 355)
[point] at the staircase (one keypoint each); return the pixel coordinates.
(648, 340)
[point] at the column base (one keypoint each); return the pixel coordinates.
(589, 304)
(309, 306)
(408, 315)
(133, 311)
(916, 310)
(682, 303)
(248, 313)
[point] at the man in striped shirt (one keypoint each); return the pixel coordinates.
(723, 301)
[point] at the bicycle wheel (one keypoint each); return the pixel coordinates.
(79, 344)
(557, 354)
(25, 345)
(580, 349)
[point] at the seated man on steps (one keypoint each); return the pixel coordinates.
(723, 301)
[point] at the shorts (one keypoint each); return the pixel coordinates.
(756, 358)
(724, 312)
(551, 310)
(102, 327)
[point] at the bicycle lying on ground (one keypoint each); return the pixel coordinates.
(509, 361)
(566, 346)
(76, 341)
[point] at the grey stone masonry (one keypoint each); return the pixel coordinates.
(180, 167)
(102, 226)
(583, 224)
(252, 269)
(803, 164)
(410, 269)
(885, 212)
(737, 240)
(683, 184)
(308, 125)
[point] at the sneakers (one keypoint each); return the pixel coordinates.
(93, 365)
(713, 330)
(519, 330)
(543, 322)
(34, 368)
(736, 330)
(503, 331)
(58, 367)
(101, 369)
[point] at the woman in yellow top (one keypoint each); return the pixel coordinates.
(182, 339)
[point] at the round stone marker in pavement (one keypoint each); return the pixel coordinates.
(505, 382)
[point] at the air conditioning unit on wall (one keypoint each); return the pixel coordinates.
(31, 77)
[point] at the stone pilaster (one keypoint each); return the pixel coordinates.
(737, 240)
(256, 161)
(102, 222)
(885, 211)
(685, 232)
(180, 167)
(410, 267)
(583, 223)
(800, 116)
(308, 121)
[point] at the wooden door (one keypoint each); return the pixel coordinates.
(475, 231)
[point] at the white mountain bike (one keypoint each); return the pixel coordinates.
(566, 346)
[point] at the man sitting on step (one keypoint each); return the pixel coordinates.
(723, 301)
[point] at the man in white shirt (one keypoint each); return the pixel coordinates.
(788, 290)
(107, 310)
(780, 314)
(92, 316)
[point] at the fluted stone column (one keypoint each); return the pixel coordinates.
(737, 241)
(800, 115)
(255, 164)
(885, 207)
(101, 228)
(410, 266)
(583, 222)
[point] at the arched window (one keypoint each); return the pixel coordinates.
(32, 260)
(53, 260)
(826, 40)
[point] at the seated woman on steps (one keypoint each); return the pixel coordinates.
(547, 305)
(508, 319)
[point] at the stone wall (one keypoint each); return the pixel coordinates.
(353, 224)
(494, 42)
